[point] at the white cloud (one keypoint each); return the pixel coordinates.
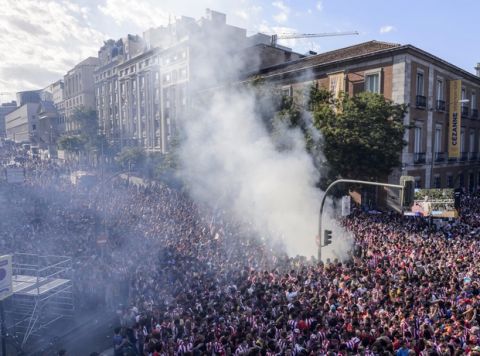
(248, 13)
(284, 11)
(281, 17)
(387, 29)
(319, 6)
(42, 40)
(144, 13)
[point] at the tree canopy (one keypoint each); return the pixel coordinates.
(71, 143)
(361, 136)
(131, 157)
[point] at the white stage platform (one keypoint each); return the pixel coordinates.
(27, 285)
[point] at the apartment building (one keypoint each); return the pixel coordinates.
(144, 85)
(406, 75)
(22, 123)
(5, 109)
(79, 90)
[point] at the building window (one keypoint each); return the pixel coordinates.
(474, 100)
(437, 182)
(372, 83)
(438, 139)
(471, 141)
(462, 140)
(440, 89)
(34, 127)
(450, 181)
(417, 148)
(420, 83)
(461, 180)
(418, 183)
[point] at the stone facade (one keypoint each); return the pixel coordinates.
(411, 76)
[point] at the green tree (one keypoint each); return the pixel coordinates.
(362, 134)
(87, 123)
(131, 158)
(70, 143)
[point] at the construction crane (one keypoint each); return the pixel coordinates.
(289, 36)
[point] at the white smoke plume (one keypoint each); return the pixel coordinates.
(229, 160)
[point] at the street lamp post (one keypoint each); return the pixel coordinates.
(322, 204)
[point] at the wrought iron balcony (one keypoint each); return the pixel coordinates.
(472, 156)
(465, 111)
(440, 105)
(474, 113)
(439, 156)
(419, 157)
(463, 156)
(421, 102)
(452, 159)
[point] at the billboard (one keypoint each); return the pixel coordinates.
(6, 286)
(454, 117)
(437, 203)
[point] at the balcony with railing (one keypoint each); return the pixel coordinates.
(463, 156)
(464, 111)
(439, 157)
(452, 159)
(472, 156)
(421, 102)
(474, 113)
(419, 157)
(440, 105)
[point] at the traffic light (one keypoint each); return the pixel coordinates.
(408, 192)
(327, 239)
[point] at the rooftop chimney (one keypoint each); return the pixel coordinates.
(477, 68)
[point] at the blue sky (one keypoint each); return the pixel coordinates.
(42, 39)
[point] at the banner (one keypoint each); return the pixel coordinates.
(6, 287)
(454, 118)
(337, 84)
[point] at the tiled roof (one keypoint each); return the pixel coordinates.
(332, 56)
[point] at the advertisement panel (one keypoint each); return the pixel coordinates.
(6, 286)
(437, 203)
(454, 118)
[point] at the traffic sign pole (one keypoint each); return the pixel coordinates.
(4, 330)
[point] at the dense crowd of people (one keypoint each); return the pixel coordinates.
(194, 282)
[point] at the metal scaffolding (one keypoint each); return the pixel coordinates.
(42, 294)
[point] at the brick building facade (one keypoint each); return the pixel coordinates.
(406, 75)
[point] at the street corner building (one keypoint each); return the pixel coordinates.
(443, 146)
